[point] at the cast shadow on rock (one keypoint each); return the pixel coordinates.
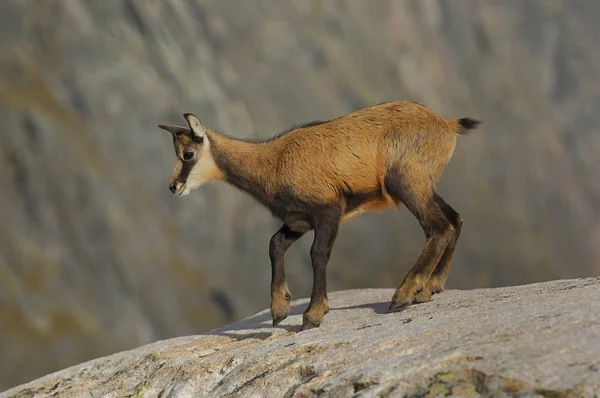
(380, 308)
(256, 323)
(263, 321)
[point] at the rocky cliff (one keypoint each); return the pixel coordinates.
(538, 340)
(97, 256)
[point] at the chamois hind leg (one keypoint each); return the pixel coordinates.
(438, 232)
(440, 273)
(280, 294)
(326, 229)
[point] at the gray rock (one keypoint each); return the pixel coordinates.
(531, 340)
(97, 256)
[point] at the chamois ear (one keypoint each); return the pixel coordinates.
(173, 129)
(198, 129)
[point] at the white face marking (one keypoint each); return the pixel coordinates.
(193, 144)
(185, 191)
(204, 170)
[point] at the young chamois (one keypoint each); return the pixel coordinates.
(316, 176)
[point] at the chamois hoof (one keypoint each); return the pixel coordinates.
(396, 305)
(280, 305)
(309, 325)
(311, 320)
(422, 297)
(436, 285)
(436, 289)
(277, 319)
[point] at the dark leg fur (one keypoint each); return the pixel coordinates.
(326, 229)
(280, 294)
(440, 274)
(438, 232)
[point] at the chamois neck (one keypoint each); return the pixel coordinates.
(243, 164)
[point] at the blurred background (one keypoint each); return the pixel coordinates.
(97, 256)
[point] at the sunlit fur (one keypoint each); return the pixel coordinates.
(369, 160)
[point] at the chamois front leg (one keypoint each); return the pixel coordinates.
(280, 294)
(326, 229)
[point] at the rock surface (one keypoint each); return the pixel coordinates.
(531, 340)
(89, 229)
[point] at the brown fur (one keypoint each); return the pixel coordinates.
(327, 173)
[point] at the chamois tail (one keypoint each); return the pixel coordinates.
(465, 125)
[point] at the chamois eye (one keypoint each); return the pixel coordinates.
(188, 155)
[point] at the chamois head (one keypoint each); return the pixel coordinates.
(195, 164)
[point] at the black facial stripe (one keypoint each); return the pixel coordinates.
(186, 168)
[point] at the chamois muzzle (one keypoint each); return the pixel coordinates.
(177, 188)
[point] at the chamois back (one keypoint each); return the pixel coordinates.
(350, 156)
